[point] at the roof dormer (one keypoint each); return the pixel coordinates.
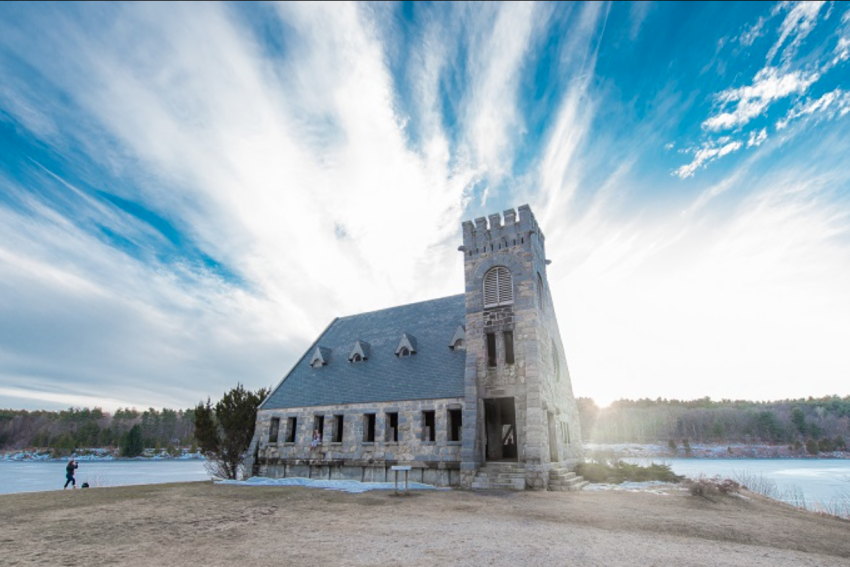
(406, 346)
(458, 339)
(321, 357)
(359, 352)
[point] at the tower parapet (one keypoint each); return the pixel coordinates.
(502, 231)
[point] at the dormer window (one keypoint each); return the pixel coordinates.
(406, 346)
(321, 357)
(458, 339)
(498, 287)
(359, 352)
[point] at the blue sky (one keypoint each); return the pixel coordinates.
(189, 193)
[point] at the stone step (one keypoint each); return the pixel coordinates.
(567, 484)
(499, 477)
(497, 480)
(492, 473)
(570, 486)
(560, 475)
(502, 469)
(519, 484)
(570, 480)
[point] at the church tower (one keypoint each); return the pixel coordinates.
(519, 409)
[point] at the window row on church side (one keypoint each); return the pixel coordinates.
(335, 427)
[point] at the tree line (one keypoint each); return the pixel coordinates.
(819, 424)
(127, 429)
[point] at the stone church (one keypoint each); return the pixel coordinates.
(470, 390)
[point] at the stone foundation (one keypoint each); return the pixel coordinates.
(433, 473)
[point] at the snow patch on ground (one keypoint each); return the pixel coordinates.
(652, 486)
(352, 486)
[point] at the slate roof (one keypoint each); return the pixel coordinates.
(435, 371)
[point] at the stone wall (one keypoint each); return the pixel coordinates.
(434, 462)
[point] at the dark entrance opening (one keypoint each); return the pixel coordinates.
(500, 428)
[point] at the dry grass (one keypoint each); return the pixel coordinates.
(205, 524)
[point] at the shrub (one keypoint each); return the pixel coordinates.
(621, 472)
(812, 447)
(705, 487)
(594, 472)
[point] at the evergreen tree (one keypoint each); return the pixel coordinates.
(798, 418)
(131, 442)
(224, 432)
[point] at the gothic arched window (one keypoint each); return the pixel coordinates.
(498, 287)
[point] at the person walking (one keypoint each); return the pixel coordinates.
(69, 474)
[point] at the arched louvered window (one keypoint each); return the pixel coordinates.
(498, 287)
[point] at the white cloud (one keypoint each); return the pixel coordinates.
(705, 155)
(769, 85)
(842, 47)
(638, 11)
(25, 111)
(830, 105)
(752, 33)
(797, 25)
(491, 119)
(560, 169)
(842, 50)
(757, 138)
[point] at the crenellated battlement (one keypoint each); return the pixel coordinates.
(501, 231)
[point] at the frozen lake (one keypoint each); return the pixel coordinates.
(821, 481)
(37, 476)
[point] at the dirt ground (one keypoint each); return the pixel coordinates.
(205, 524)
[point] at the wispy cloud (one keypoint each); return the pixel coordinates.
(707, 154)
(757, 138)
(752, 33)
(797, 25)
(831, 105)
(769, 85)
(498, 52)
(560, 167)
